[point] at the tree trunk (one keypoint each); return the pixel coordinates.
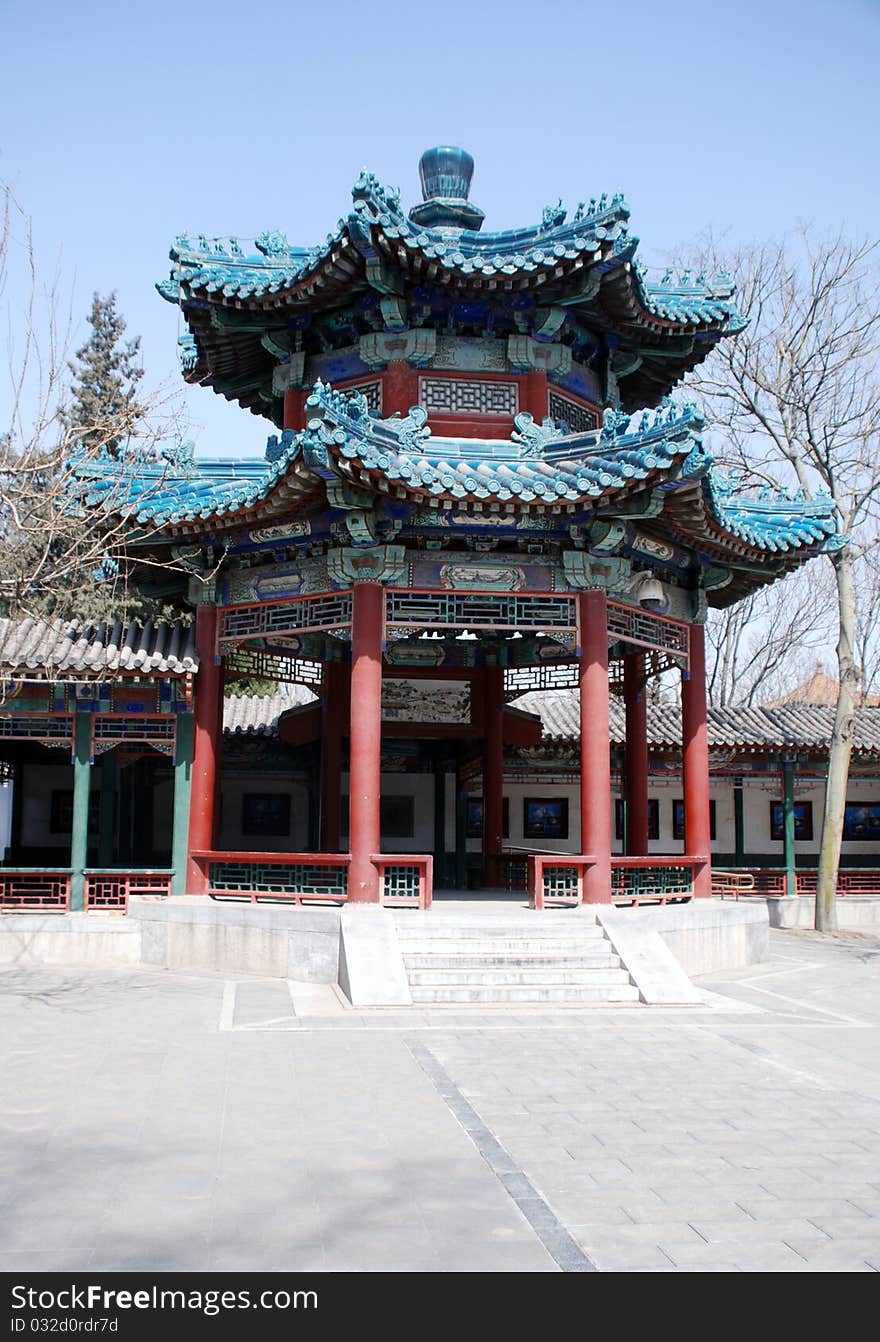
(841, 746)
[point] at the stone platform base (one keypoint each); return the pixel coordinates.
(360, 947)
(855, 913)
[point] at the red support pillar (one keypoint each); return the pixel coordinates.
(493, 774)
(636, 782)
(368, 608)
(695, 744)
(595, 746)
(294, 409)
(208, 719)
(535, 395)
(400, 389)
(332, 720)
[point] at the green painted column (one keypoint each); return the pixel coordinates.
(183, 758)
(79, 836)
(739, 824)
(107, 810)
(788, 826)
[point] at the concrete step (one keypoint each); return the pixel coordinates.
(600, 957)
(588, 931)
(499, 945)
(494, 977)
(571, 994)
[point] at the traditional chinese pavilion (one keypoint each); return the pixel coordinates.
(477, 486)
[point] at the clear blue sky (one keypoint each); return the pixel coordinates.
(122, 125)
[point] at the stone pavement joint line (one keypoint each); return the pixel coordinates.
(546, 1225)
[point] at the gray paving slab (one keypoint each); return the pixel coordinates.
(158, 1121)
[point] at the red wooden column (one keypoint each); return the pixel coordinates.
(595, 746)
(695, 744)
(493, 773)
(636, 782)
(534, 394)
(208, 721)
(332, 723)
(368, 608)
(400, 389)
(294, 408)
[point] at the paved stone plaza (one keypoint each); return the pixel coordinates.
(156, 1121)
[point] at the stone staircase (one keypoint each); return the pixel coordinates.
(549, 958)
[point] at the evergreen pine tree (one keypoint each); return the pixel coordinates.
(104, 406)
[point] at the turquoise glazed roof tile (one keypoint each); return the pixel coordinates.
(577, 276)
(574, 476)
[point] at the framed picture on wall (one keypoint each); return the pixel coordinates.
(678, 819)
(803, 820)
(474, 818)
(266, 814)
(545, 817)
(653, 818)
(861, 820)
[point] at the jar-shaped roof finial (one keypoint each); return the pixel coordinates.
(446, 173)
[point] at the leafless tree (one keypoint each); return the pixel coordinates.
(57, 555)
(796, 401)
(760, 648)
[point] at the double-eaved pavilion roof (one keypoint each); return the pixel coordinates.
(653, 466)
(574, 280)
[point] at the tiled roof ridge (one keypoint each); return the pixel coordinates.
(594, 233)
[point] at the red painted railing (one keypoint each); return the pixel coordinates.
(297, 877)
(557, 878)
(733, 882)
(32, 891)
(407, 879)
(108, 891)
(654, 879)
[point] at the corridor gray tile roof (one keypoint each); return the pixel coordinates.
(83, 649)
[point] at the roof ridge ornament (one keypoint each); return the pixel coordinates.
(533, 437)
(446, 172)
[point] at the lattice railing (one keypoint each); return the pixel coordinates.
(27, 891)
(108, 891)
(557, 879)
(514, 870)
(644, 630)
(297, 615)
(771, 881)
(651, 880)
(480, 610)
(406, 879)
(297, 877)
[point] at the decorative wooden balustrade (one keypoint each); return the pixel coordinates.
(315, 877)
(731, 883)
(29, 890)
(653, 879)
(558, 879)
(407, 878)
(108, 891)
